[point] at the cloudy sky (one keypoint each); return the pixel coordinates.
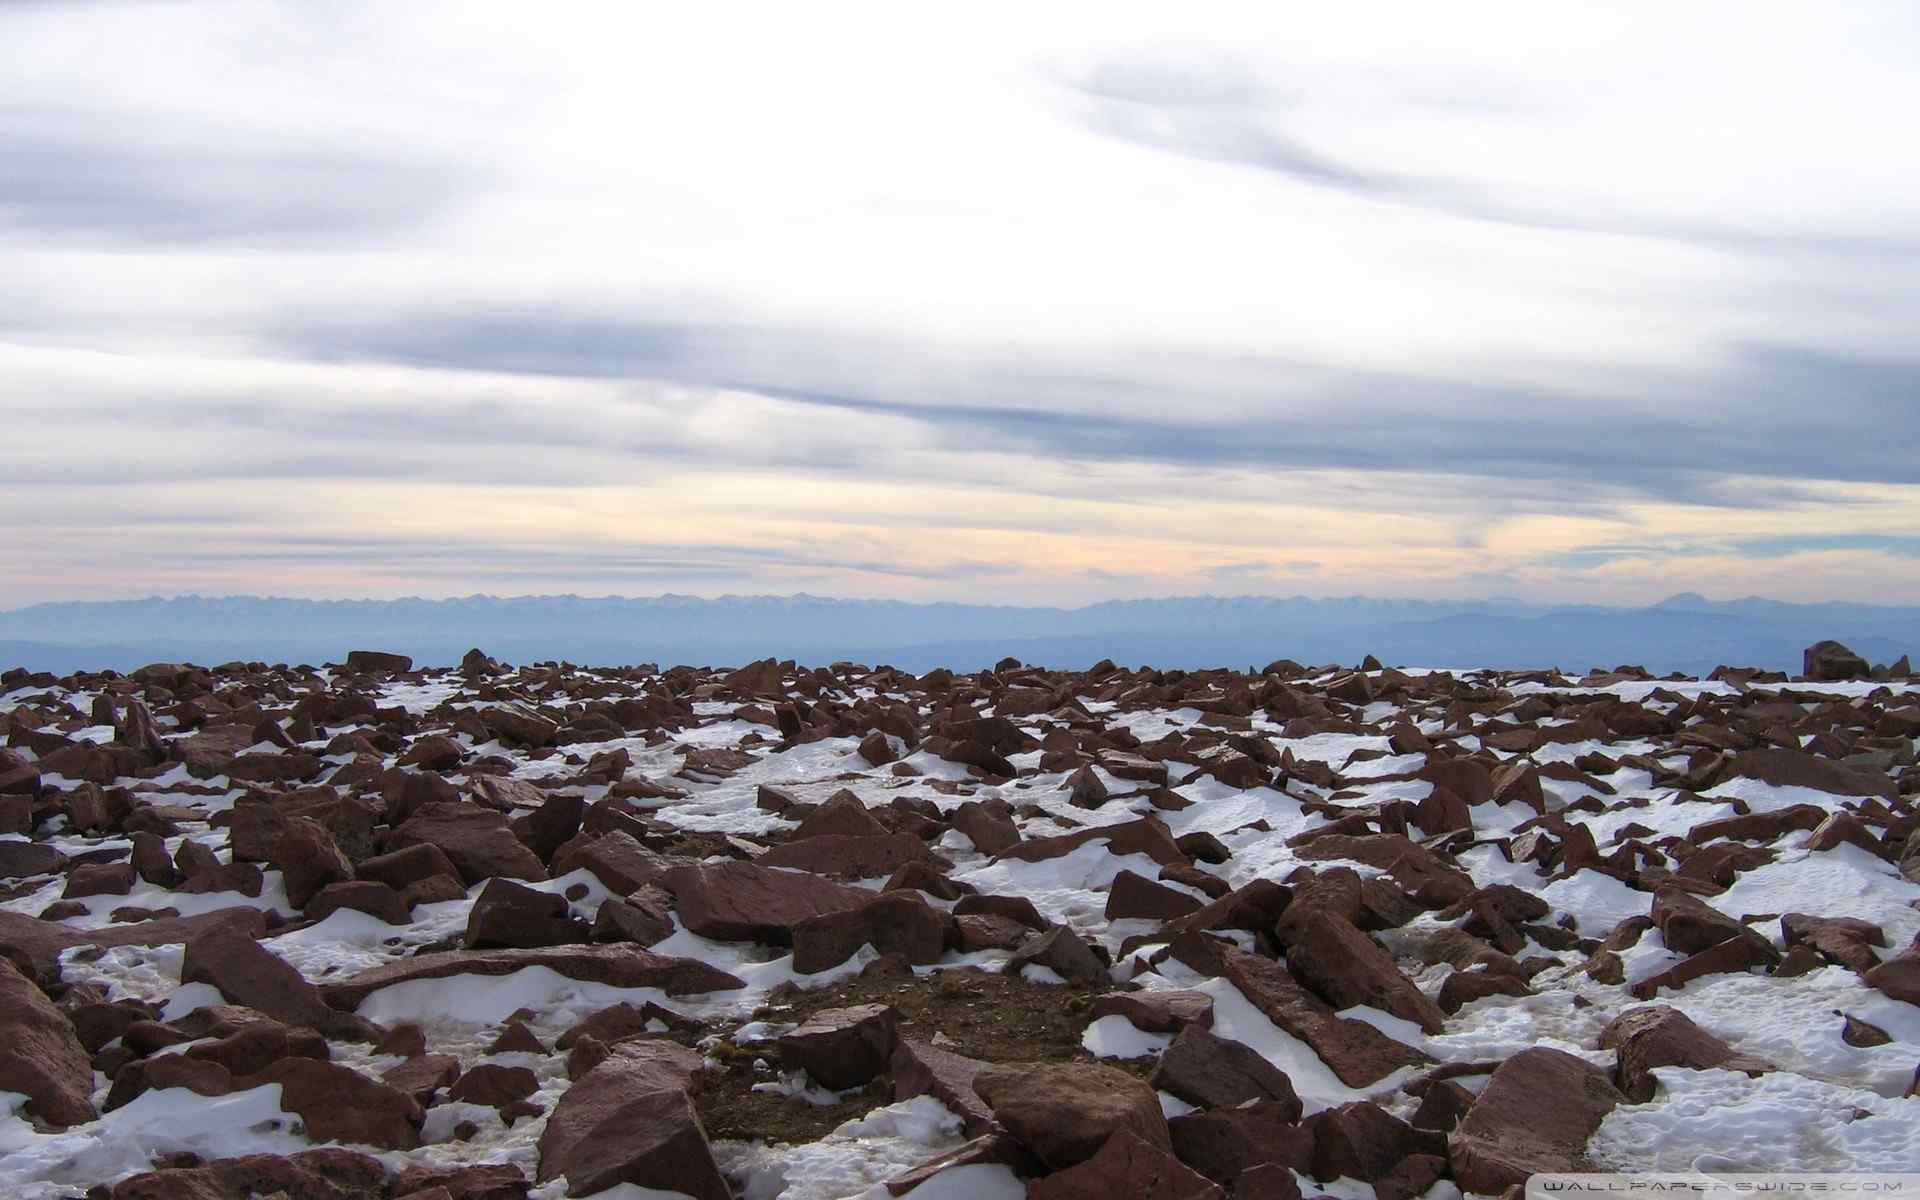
(1036, 303)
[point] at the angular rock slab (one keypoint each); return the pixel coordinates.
(1213, 1072)
(1065, 1112)
(1355, 1051)
(40, 1055)
(1126, 1166)
(843, 1047)
(617, 965)
(629, 1121)
(1535, 1115)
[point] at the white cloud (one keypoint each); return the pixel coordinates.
(1455, 259)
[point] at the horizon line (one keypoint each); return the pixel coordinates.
(1244, 597)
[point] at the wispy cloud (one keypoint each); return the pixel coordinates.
(346, 296)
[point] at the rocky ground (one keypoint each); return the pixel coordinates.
(489, 932)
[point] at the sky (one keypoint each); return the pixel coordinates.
(1003, 303)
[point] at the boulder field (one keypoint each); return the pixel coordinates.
(489, 931)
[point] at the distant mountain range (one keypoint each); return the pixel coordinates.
(1684, 633)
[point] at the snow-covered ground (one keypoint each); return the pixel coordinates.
(1828, 1104)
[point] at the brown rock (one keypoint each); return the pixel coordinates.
(1797, 768)
(1829, 661)
(211, 877)
(1212, 1072)
(1464, 987)
(27, 940)
(1843, 828)
(1254, 906)
(1842, 940)
(361, 895)
(554, 821)
(520, 725)
(1442, 1106)
(436, 752)
(96, 1023)
(283, 768)
(410, 865)
(494, 1085)
(1899, 976)
(1085, 788)
(1268, 1181)
(494, 1181)
(991, 830)
(1658, 1036)
(761, 678)
(1065, 1112)
(890, 922)
(1133, 895)
(1353, 1050)
(516, 1038)
(150, 860)
(986, 1149)
(628, 1120)
(1413, 1176)
(407, 792)
(1133, 767)
(842, 1047)
(843, 813)
(1360, 1140)
(1855, 1032)
(1014, 908)
(1518, 782)
(642, 918)
(1734, 954)
(336, 1103)
(99, 879)
(876, 749)
(1346, 968)
(1441, 811)
(328, 1173)
(1146, 836)
(923, 877)
(617, 860)
(1168, 1011)
(1759, 827)
(738, 901)
(617, 1022)
(379, 661)
(1126, 1165)
(509, 914)
(248, 973)
(308, 859)
(1061, 951)
(922, 1069)
(1797, 961)
(617, 965)
(1535, 1115)
(478, 840)
(254, 1048)
(1464, 777)
(1225, 1143)
(1689, 925)
(845, 856)
(434, 889)
(167, 1071)
(506, 793)
(41, 1056)
(21, 859)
